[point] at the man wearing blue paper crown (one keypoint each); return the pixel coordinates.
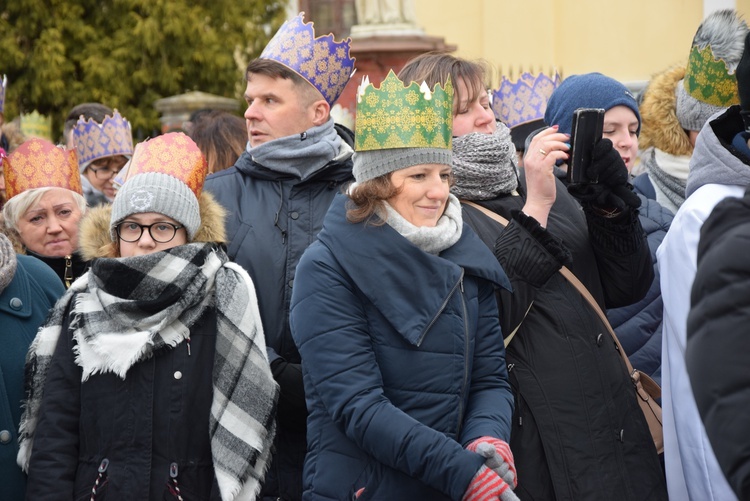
(277, 193)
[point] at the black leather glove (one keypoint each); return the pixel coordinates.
(612, 189)
(291, 412)
(743, 83)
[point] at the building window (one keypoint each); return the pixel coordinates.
(330, 16)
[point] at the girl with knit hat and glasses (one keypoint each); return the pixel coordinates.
(393, 312)
(150, 379)
(577, 430)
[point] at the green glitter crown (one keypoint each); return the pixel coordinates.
(708, 79)
(400, 116)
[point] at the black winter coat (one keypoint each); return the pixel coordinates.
(718, 343)
(124, 428)
(638, 326)
(273, 218)
(577, 432)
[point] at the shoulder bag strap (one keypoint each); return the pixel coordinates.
(646, 389)
(504, 222)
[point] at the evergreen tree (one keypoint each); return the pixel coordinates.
(127, 53)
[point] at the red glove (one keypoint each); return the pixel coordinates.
(485, 486)
(497, 456)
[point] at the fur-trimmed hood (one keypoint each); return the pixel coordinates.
(13, 236)
(660, 127)
(94, 237)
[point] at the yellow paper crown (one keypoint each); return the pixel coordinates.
(37, 163)
(35, 124)
(709, 80)
(399, 116)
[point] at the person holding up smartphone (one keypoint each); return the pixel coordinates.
(577, 430)
(638, 325)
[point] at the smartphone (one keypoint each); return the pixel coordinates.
(586, 131)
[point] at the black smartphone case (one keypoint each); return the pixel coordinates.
(586, 131)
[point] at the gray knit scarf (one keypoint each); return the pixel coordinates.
(484, 165)
(8, 262)
(124, 310)
(300, 155)
(432, 240)
(672, 187)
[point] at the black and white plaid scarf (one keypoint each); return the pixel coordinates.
(123, 310)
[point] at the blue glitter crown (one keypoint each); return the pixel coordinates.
(99, 140)
(3, 86)
(321, 61)
(525, 100)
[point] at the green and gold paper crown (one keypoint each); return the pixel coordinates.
(709, 80)
(35, 124)
(400, 116)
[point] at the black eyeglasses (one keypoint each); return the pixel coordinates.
(107, 168)
(163, 232)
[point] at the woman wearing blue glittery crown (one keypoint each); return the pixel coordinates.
(103, 150)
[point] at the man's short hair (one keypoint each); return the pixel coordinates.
(274, 69)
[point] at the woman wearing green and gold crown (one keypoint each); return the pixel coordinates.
(394, 314)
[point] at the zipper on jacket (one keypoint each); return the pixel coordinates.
(101, 478)
(466, 356)
(174, 487)
(460, 283)
(68, 274)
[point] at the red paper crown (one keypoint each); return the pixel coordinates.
(174, 154)
(37, 163)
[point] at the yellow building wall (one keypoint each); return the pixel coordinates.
(627, 40)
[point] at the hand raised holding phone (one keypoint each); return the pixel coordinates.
(597, 174)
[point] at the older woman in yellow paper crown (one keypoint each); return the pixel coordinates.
(44, 206)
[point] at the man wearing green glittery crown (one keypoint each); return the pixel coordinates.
(276, 194)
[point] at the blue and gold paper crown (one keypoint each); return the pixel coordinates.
(321, 61)
(99, 140)
(3, 87)
(35, 124)
(525, 100)
(709, 79)
(400, 116)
